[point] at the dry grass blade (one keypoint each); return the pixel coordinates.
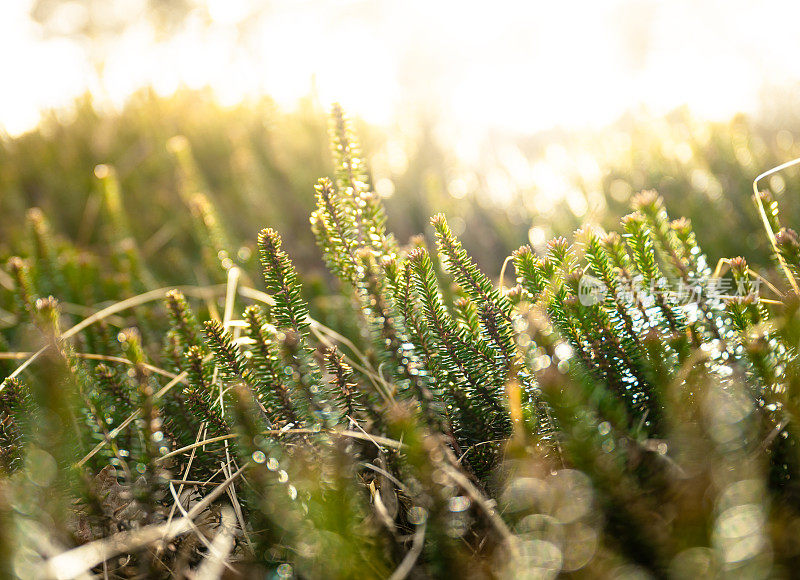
(723, 265)
(506, 262)
(229, 464)
(475, 495)
(198, 532)
(763, 214)
(220, 549)
(181, 378)
(80, 310)
(256, 295)
(405, 567)
(353, 434)
(92, 356)
(386, 474)
(200, 435)
(38, 537)
(132, 302)
(194, 446)
(80, 560)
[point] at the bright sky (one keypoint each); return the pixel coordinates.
(512, 65)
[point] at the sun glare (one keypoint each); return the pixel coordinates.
(515, 67)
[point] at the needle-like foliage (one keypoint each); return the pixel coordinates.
(622, 410)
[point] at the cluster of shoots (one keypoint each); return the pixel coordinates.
(621, 408)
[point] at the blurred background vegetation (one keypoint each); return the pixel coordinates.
(255, 165)
(476, 118)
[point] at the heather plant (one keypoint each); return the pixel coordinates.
(622, 406)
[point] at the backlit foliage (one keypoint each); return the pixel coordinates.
(621, 407)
